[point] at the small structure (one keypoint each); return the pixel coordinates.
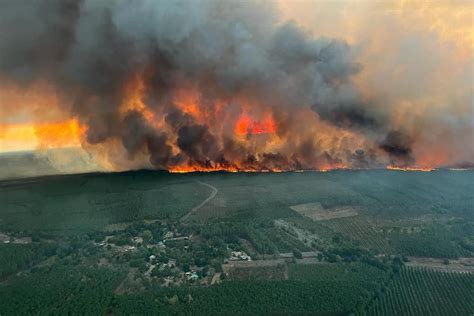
(239, 256)
(192, 276)
(128, 248)
(168, 235)
(138, 240)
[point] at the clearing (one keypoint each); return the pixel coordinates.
(459, 265)
(317, 212)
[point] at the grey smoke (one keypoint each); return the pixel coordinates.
(91, 48)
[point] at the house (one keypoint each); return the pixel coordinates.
(245, 258)
(161, 245)
(192, 276)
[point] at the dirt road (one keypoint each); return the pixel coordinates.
(454, 265)
(196, 208)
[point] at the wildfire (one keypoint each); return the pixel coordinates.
(134, 91)
(42, 136)
(188, 169)
(421, 169)
(187, 100)
(61, 134)
(260, 154)
(235, 169)
(246, 125)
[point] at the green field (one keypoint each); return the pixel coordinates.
(417, 291)
(88, 240)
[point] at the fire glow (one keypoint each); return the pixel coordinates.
(43, 135)
(414, 168)
(246, 125)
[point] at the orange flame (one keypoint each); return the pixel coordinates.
(62, 134)
(42, 136)
(134, 91)
(422, 169)
(246, 125)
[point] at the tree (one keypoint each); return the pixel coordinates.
(200, 262)
(147, 236)
(186, 267)
(297, 254)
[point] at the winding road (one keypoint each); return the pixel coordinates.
(210, 197)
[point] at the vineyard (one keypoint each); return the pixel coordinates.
(361, 232)
(417, 291)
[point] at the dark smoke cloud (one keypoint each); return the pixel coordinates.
(197, 143)
(36, 37)
(398, 146)
(90, 49)
(137, 134)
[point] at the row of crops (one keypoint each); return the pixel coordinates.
(419, 291)
(360, 231)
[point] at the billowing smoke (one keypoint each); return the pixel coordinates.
(200, 84)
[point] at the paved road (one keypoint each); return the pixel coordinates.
(210, 197)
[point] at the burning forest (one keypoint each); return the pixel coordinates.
(210, 85)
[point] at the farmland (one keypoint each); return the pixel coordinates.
(376, 241)
(417, 291)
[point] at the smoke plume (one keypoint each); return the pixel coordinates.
(206, 85)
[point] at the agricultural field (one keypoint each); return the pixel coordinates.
(415, 291)
(333, 243)
(316, 212)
